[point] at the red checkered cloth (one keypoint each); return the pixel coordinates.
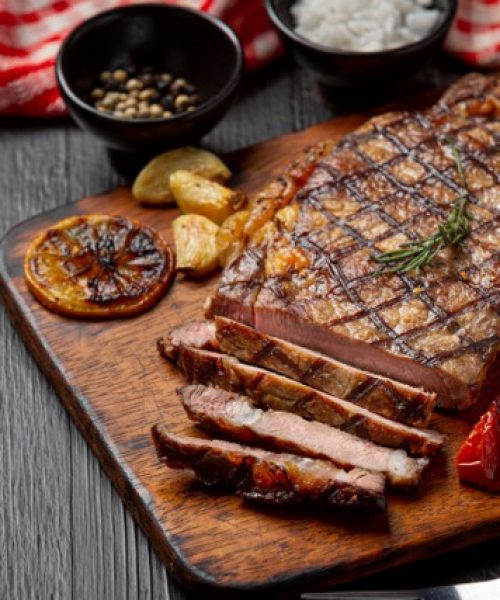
(31, 32)
(475, 34)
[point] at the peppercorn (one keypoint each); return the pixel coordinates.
(120, 75)
(97, 93)
(147, 94)
(181, 102)
(178, 86)
(143, 111)
(168, 101)
(155, 110)
(134, 84)
(132, 92)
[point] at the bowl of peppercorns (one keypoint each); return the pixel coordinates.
(149, 76)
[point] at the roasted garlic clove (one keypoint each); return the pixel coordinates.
(152, 185)
(195, 244)
(200, 196)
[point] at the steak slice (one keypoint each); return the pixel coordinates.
(199, 334)
(378, 394)
(307, 275)
(234, 417)
(388, 398)
(270, 478)
(270, 390)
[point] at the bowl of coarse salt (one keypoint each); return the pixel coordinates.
(351, 43)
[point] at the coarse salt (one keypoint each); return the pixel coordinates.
(365, 25)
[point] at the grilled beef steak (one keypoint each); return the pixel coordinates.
(234, 417)
(271, 390)
(306, 274)
(281, 479)
(378, 394)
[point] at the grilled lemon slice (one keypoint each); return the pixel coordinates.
(98, 266)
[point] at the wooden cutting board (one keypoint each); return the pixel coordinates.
(115, 386)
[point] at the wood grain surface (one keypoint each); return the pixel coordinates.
(115, 387)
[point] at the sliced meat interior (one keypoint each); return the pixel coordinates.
(234, 417)
(268, 477)
(199, 334)
(375, 393)
(271, 390)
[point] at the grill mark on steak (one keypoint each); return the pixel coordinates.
(429, 167)
(269, 477)
(436, 210)
(474, 347)
(407, 280)
(449, 322)
(270, 351)
(418, 138)
(382, 396)
(444, 318)
(270, 390)
(234, 417)
(369, 385)
(355, 299)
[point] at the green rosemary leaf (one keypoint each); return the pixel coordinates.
(458, 162)
(416, 254)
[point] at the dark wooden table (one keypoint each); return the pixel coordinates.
(64, 532)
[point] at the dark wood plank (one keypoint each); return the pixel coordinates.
(115, 386)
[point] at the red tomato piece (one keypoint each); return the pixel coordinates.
(478, 460)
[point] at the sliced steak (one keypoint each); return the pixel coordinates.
(270, 478)
(234, 417)
(378, 394)
(307, 275)
(270, 390)
(199, 334)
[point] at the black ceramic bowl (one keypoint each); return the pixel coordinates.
(186, 43)
(355, 69)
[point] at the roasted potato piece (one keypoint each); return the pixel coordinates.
(152, 185)
(230, 237)
(200, 196)
(194, 239)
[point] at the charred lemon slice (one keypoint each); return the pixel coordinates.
(98, 266)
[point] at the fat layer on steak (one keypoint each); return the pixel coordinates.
(306, 274)
(268, 477)
(234, 416)
(270, 390)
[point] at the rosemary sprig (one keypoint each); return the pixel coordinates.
(420, 253)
